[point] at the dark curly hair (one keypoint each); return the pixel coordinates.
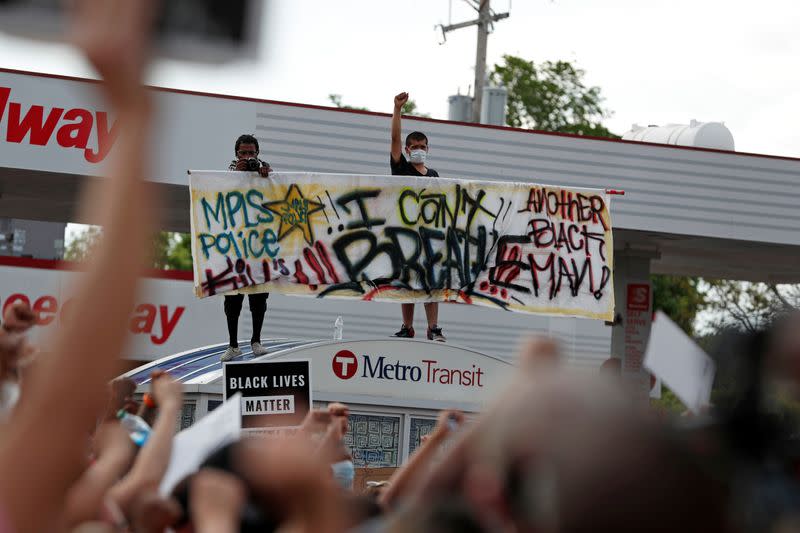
(246, 139)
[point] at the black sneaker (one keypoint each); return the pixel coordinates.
(435, 334)
(405, 332)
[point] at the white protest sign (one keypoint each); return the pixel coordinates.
(194, 444)
(680, 363)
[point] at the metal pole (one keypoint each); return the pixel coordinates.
(480, 59)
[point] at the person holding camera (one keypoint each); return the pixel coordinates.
(246, 150)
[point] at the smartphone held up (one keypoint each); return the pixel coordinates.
(206, 31)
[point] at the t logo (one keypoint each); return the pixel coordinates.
(344, 364)
(638, 297)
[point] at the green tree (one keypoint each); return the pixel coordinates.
(160, 249)
(749, 306)
(410, 107)
(336, 99)
(550, 96)
(79, 248)
(680, 298)
(172, 251)
(179, 256)
(669, 401)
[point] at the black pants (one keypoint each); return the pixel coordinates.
(233, 307)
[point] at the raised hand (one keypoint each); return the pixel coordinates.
(18, 317)
(151, 512)
(316, 422)
(338, 409)
(289, 476)
(115, 36)
(111, 437)
(400, 100)
(216, 502)
(167, 391)
(443, 422)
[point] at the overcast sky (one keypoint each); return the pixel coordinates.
(656, 61)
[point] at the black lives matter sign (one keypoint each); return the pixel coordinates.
(274, 394)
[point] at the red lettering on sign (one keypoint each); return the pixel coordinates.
(33, 123)
(73, 128)
(16, 297)
(167, 324)
(145, 319)
(45, 308)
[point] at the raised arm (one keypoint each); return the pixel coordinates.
(115, 451)
(153, 459)
(217, 499)
(397, 141)
(418, 463)
(46, 443)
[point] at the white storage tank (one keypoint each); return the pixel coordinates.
(460, 108)
(493, 105)
(698, 134)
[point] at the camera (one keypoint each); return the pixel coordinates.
(253, 164)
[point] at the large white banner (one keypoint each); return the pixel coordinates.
(515, 246)
(166, 319)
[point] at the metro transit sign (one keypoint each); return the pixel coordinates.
(398, 371)
(345, 365)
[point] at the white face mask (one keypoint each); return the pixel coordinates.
(417, 156)
(9, 395)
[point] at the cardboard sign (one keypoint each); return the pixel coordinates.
(193, 445)
(675, 358)
(274, 394)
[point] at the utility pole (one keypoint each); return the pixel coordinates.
(483, 22)
(480, 58)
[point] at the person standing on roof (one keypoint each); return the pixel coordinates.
(246, 150)
(417, 150)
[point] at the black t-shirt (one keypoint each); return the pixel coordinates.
(404, 168)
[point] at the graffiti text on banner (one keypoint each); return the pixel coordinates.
(515, 246)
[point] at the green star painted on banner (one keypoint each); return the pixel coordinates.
(294, 212)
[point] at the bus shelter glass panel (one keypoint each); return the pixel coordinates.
(418, 428)
(213, 404)
(187, 415)
(374, 440)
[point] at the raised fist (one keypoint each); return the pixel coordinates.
(400, 100)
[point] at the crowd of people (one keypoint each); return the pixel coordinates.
(555, 452)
